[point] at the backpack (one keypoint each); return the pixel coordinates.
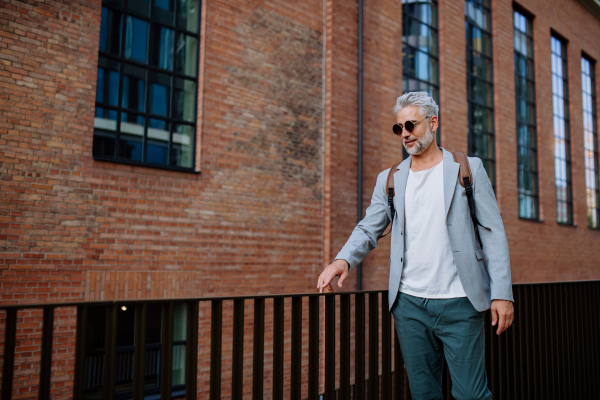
(465, 179)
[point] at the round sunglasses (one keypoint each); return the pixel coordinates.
(409, 125)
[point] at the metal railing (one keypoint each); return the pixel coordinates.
(550, 352)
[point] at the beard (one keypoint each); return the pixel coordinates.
(422, 144)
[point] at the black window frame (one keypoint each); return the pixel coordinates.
(595, 170)
(527, 151)
(568, 169)
(488, 158)
(171, 119)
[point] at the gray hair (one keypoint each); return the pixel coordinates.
(421, 99)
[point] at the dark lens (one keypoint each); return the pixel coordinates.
(409, 126)
(397, 129)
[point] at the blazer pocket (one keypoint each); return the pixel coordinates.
(479, 254)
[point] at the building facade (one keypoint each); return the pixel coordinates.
(179, 148)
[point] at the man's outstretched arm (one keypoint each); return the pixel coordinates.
(363, 239)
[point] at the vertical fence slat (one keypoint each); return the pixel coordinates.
(501, 389)
(596, 320)
(110, 352)
(80, 339)
(563, 373)
(398, 369)
(359, 349)
(215, 349)
(488, 346)
(517, 338)
(386, 348)
(330, 347)
(259, 349)
(191, 357)
(10, 333)
(373, 346)
(543, 360)
(296, 361)
(139, 352)
(237, 360)
(166, 352)
(558, 339)
(575, 356)
(46, 361)
(278, 332)
(313, 347)
(587, 345)
(344, 346)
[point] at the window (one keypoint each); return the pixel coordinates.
(420, 49)
(480, 91)
(590, 137)
(147, 82)
(562, 135)
(96, 343)
(526, 117)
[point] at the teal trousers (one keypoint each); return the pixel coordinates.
(430, 330)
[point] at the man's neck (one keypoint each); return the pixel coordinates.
(427, 159)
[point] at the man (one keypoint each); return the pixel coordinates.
(440, 282)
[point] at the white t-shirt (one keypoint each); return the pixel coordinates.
(429, 269)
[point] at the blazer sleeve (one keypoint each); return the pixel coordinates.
(366, 234)
(495, 245)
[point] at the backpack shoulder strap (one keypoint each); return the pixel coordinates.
(390, 193)
(465, 168)
(466, 181)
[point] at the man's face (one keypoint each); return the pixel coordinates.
(417, 141)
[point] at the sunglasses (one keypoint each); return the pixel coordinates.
(409, 125)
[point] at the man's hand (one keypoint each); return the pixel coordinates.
(503, 310)
(339, 268)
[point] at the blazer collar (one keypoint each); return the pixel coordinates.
(450, 177)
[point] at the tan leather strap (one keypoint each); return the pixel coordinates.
(390, 179)
(465, 168)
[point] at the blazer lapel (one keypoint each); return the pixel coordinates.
(400, 178)
(450, 177)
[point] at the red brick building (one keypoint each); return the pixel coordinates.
(244, 180)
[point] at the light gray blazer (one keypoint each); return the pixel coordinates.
(483, 279)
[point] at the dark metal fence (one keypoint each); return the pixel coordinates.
(550, 352)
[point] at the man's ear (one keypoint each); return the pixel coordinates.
(434, 121)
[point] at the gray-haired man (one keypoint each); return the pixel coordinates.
(440, 284)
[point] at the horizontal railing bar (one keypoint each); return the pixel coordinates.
(223, 298)
(179, 299)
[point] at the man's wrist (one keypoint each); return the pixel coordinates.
(345, 263)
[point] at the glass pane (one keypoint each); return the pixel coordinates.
(140, 6)
(153, 340)
(157, 147)
(107, 87)
(160, 85)
(134, 86)
(162, 52)
(179, 364)
(110, 31)
(181, 148)
(93, 379)
(187, 54)
(125, 350)
(105, 132)
(163, 11)
(131, 137)
(136, 37)
(185, 100)
(188, 15)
